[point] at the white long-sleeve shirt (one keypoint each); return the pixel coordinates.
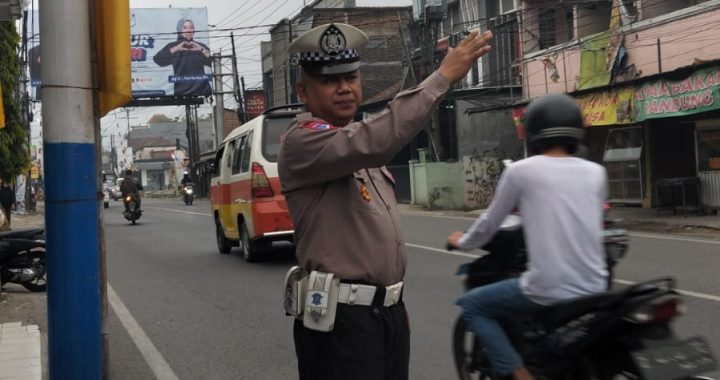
(561, 202)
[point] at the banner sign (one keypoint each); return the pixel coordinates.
(663, 98)
(608, 107)
(254, 102)
(170, 52)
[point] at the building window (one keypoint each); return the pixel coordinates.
(708, 149)
(547, 28)
(377, 43)
(508, 6)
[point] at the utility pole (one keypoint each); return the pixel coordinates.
(75, 344)
(219, 101)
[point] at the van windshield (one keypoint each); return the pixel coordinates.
(273, 128)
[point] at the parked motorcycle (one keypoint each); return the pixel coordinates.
(132, 210)
(623, 334)
(187, 192)
(22, 258)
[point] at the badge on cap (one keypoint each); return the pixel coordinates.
(332, 41)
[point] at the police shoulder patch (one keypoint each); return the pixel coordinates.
(316, 125)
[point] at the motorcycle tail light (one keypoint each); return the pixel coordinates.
(661, 310)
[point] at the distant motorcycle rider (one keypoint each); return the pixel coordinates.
(130, 185)
(185, 179)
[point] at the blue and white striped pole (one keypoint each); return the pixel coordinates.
(71, 216)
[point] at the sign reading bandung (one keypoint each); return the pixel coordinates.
(662, 98)
(170, 52)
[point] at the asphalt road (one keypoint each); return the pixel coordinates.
(179, 309)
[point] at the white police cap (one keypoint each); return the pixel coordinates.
(329, 49)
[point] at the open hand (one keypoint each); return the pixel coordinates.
(460, 59)
(453, 240)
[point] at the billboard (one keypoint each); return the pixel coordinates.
(170, 52)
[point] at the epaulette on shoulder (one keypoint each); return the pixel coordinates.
(317, 125)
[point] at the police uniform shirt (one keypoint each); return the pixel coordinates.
(341, 197)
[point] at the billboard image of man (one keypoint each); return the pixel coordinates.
(188, 59)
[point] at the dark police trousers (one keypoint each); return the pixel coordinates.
(367, 343)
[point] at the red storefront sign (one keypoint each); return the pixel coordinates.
(254, 102)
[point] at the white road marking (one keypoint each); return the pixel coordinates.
(180, 211)
(662, 237)
(645, 235)
(152, 356)
(704, 296)
(688, 293)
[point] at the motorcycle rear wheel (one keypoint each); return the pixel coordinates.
(464, 346)
(39, 284)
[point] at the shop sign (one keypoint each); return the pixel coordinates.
(517, 114)
(608, 108)
(663, 98)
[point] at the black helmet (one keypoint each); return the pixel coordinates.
(553, 120)
(128, 172)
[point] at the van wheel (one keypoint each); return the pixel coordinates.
(224, 245)
(248, 249)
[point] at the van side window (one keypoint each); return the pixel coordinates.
(218, 161)
(230, 152)
(238, 154)
(246, 153)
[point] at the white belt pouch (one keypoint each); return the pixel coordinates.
(294, 293)
(321, 301)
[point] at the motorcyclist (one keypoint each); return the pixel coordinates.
(185, 179)
(561, 199)
(130, 185)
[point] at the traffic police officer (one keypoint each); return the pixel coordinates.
(342, 202)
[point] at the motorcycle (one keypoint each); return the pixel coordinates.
(132, 211)
(187, 192)
(622, 334)
(22, 259)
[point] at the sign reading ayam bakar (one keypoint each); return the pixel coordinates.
(663, 98)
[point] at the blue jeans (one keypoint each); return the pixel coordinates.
(483, 306)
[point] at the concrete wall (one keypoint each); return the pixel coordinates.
(481, 132)
(437, 185)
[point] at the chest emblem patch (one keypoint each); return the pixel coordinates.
(365, 193)
(317, 126)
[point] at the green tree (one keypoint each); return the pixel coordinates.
(14, 156)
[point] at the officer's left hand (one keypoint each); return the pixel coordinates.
(454, 239)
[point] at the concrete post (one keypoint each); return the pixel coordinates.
(71, 218)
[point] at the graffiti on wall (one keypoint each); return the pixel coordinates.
(482, 173)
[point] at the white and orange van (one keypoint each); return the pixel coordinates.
(248, 208)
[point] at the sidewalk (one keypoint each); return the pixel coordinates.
(23, 321)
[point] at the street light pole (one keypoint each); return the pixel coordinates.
(74, 291)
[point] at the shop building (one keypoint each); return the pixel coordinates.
(647, 76)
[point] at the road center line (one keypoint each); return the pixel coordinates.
(180, 211)
(645, 235)
(150, 353)
(650, 236)
(688, 293)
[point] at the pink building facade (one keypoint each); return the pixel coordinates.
(647, 76)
